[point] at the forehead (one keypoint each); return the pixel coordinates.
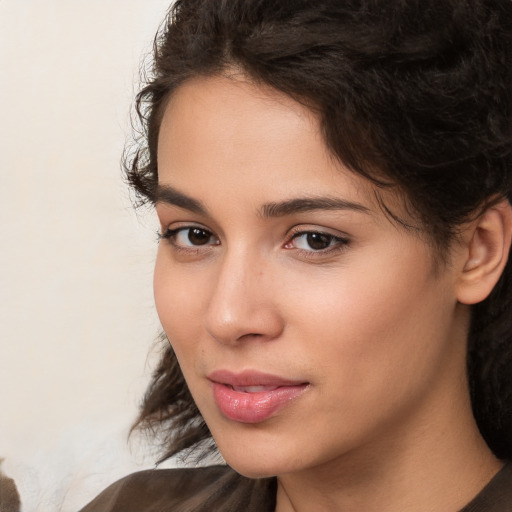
(231, 127)
(232, 117)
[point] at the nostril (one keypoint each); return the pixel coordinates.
(239, 310)
(250, 336)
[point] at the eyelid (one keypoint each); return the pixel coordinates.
(308, 228)
(180, 225)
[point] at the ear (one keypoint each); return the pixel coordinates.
(486, 244)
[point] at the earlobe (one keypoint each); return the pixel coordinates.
(486, 249)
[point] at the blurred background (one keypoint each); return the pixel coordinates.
(77, 320)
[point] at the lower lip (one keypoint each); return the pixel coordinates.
(254, 407)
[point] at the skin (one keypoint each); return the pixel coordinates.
(372, 325)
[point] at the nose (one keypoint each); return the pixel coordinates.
(242, 306)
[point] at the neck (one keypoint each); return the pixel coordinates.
(436, 461)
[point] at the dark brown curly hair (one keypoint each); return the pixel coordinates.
(414, 94)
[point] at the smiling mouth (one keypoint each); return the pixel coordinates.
(252, 389)
(253, 397)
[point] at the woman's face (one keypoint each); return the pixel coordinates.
(308, 325)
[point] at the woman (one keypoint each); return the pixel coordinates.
(332, 181)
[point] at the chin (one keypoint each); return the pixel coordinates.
(254, 462)
(254, 469)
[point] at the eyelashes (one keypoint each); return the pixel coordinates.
(309, 243)
(315, 241)
(190, 236)
(189, 241)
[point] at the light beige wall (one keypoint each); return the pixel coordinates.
(76, 308)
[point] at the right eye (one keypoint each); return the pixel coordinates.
(190, 236)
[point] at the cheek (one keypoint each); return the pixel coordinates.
(178, 303)
(373, 328)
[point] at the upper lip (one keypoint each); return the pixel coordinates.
(251, 378)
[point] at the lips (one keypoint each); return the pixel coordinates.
(253, 397)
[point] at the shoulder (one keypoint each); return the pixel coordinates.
(156, 489)
(212, 488)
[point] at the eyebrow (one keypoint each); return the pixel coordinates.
(308, 204)
(169, 195)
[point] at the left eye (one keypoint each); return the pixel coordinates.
(315, 241)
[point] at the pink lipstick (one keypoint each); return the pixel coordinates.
(252, 397)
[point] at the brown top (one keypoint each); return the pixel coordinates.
(220, 489)
(209, 489)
